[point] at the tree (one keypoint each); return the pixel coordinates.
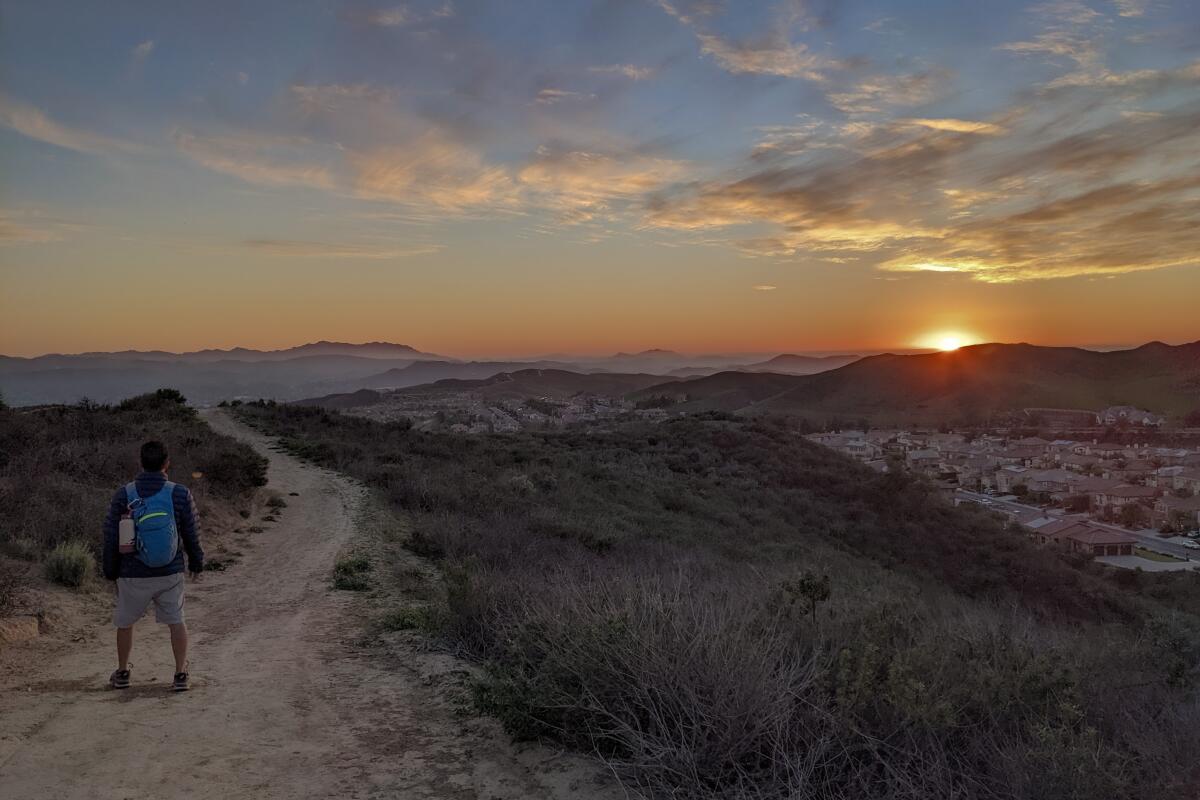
(810, 590)
(1131, 514)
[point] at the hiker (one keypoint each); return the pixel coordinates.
(147, 562)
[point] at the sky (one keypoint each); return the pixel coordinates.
(502, 178)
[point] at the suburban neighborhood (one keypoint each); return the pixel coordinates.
(1133, 503)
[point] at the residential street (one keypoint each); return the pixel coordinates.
(1148, 538)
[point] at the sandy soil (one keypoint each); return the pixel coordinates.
(289, 698)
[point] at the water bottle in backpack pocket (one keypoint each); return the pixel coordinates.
(156, 539)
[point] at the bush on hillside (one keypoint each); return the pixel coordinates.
(69, 564)
(60, 465)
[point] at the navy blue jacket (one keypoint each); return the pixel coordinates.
(127, 565)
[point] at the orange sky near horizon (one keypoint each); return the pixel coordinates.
(683, 307)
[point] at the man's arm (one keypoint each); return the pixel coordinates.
(189, 529)
(111, 557)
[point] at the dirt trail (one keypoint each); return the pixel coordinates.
(285, 704)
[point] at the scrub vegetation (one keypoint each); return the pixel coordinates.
(59, 466)
(721, 609)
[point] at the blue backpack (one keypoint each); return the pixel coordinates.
(155, 536)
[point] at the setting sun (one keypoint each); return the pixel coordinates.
(947, 340)
(950, 341)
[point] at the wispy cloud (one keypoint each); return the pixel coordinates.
(956, 125)
(549, 97)
(32, 226)
(582, 186)
(34, 123)
(631, 71)
(432, 170)
(1132, 8)
(688, 11)
(143, 50)
(268, 161)
(764, 58)
(290, 248)
(764, 287)
(877, 93)
(390, 17)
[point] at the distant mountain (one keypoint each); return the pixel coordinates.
(800, 365)
(523, 384)
(970, 383)
(322, 348)
(558, 384)
(338, 402)
(724, 391)
(420, 372)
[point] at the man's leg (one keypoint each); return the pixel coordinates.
(179, 644)
(124, 646)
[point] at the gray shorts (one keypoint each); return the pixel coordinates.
(134, 596)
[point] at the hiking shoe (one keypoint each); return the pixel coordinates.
(180, 684)
(119, 679)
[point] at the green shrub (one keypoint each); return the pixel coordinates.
(276, 501)
(235, 469)
(69, 564)
(408, 618)
(350, 574)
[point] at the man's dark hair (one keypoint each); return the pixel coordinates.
(154, 456)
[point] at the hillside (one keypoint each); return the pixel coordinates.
(553, 383)
(724, 391)
(969, 384)
(791, 364)
(59, 465)
(684, 598)
(525, 384)
(422, 372)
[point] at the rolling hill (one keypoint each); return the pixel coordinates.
(971, 383)
(525, 384)
(791, 364)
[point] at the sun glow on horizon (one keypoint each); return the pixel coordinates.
(947, 341)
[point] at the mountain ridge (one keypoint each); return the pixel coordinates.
(969, 383)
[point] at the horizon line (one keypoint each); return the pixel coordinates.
(553, 355)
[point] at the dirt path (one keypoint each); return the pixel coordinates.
(286, 703)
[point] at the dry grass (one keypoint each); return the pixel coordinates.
(642, 594)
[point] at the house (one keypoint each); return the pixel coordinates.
(862, 449)
(1129, 415)
(1058, 483)
(923, 459)
(1009, 477)
(1179, 513)
(1106, 450)
(1078, 535)
(1188, 479)
(1077, 463)
(1112, 501)
(1100, 541)
(1022, 455)
(1164, 477)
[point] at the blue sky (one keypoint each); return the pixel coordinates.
(640, 172)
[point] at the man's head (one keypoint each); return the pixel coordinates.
(154, 457)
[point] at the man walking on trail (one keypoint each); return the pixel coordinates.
(148, 568)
